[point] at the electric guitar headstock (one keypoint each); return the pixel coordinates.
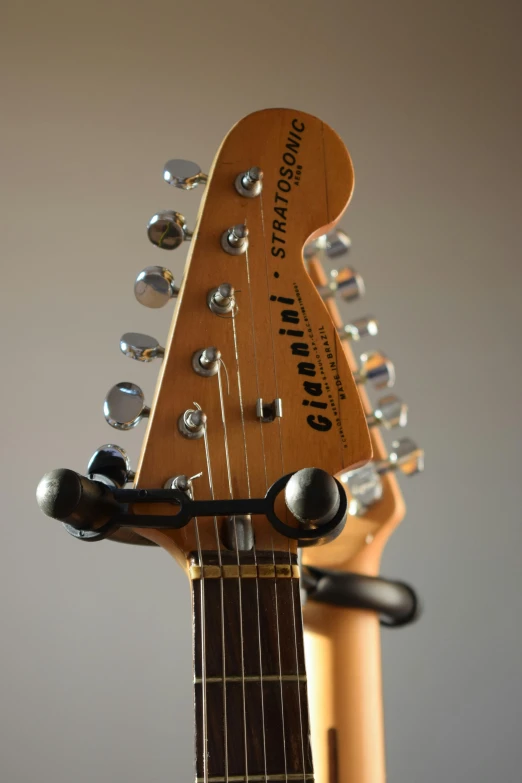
(376, 505)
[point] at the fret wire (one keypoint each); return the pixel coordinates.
(254, 678)
(246, 571)
(258, 778)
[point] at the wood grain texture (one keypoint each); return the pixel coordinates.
(284, 343)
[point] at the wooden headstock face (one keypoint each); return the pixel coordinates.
(360, 545)
(277, 342)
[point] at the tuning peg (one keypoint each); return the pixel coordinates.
(183, 174)
(391, 412)
(124, 406)
(346, 282)
(155, 286)
(168, 229)
(365, 484)
(405, 456)
(367, 326)
(377, 368)
(141, 347)
(335, 243)
(111, 462)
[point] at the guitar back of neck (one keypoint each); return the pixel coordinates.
(250, 680)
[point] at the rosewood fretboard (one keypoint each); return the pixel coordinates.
(250, 683)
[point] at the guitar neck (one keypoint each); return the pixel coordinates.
(250, 681)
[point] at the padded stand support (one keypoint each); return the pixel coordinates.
(396, 602)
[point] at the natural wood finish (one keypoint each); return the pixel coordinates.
(310, 200)
(343, 648)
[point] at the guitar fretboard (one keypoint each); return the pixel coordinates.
(250, 681)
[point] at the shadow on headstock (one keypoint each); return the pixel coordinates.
(254, 382)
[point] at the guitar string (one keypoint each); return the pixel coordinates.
(261, 682)
(297, 665)
(240, 597)
(221, 591)
(203, 655)
(276, 592)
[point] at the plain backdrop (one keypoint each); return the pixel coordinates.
(95, 658)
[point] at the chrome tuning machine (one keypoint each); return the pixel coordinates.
(110, 464)
(364, 484)
(168, 229)
(346, 282)
(390, 412)
(141, 347)
(155, 286)
(334, 244)
(367, 326)
(124, 406)
(184, 174)
(377, 369)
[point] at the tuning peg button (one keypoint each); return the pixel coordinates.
(335, 243)
(346, 282)
(168, 229)
(367, 326)
(155, 286)
(141, 347)
(183, 174)
(365, 484)
(124, 406)
(376, 368)
(112, 463)
(391, 412)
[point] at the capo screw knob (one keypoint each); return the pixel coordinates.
(391, 412)
(250, 183)
(335, 243)
(367, 326)
(376, 368)
(346, 282)
(155, 286)
(192, 423)
(168, 230)
(111, 462)
(141, 347)
(235, 239)
(184, 174)
(124, 406)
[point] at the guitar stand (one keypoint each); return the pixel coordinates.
(396, 602)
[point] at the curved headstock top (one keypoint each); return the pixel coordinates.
(280, 355)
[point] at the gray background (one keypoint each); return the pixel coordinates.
(95, 644)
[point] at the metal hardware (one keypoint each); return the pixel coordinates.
(391, 412)
(192, 423)
(335, 243)
(168, 229)
(364, 484)
(182, 482)
(346, 282)
(250, 183)
(377, 369)
(111, 462)
(396, 602)
(155, 286)
(221, 299)
(141, 347)
(124, 406)
(237, 533)
(268, 412)
(235, 239)
(92, 506)
(184, 174)
(206, 361)
(358, 328)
